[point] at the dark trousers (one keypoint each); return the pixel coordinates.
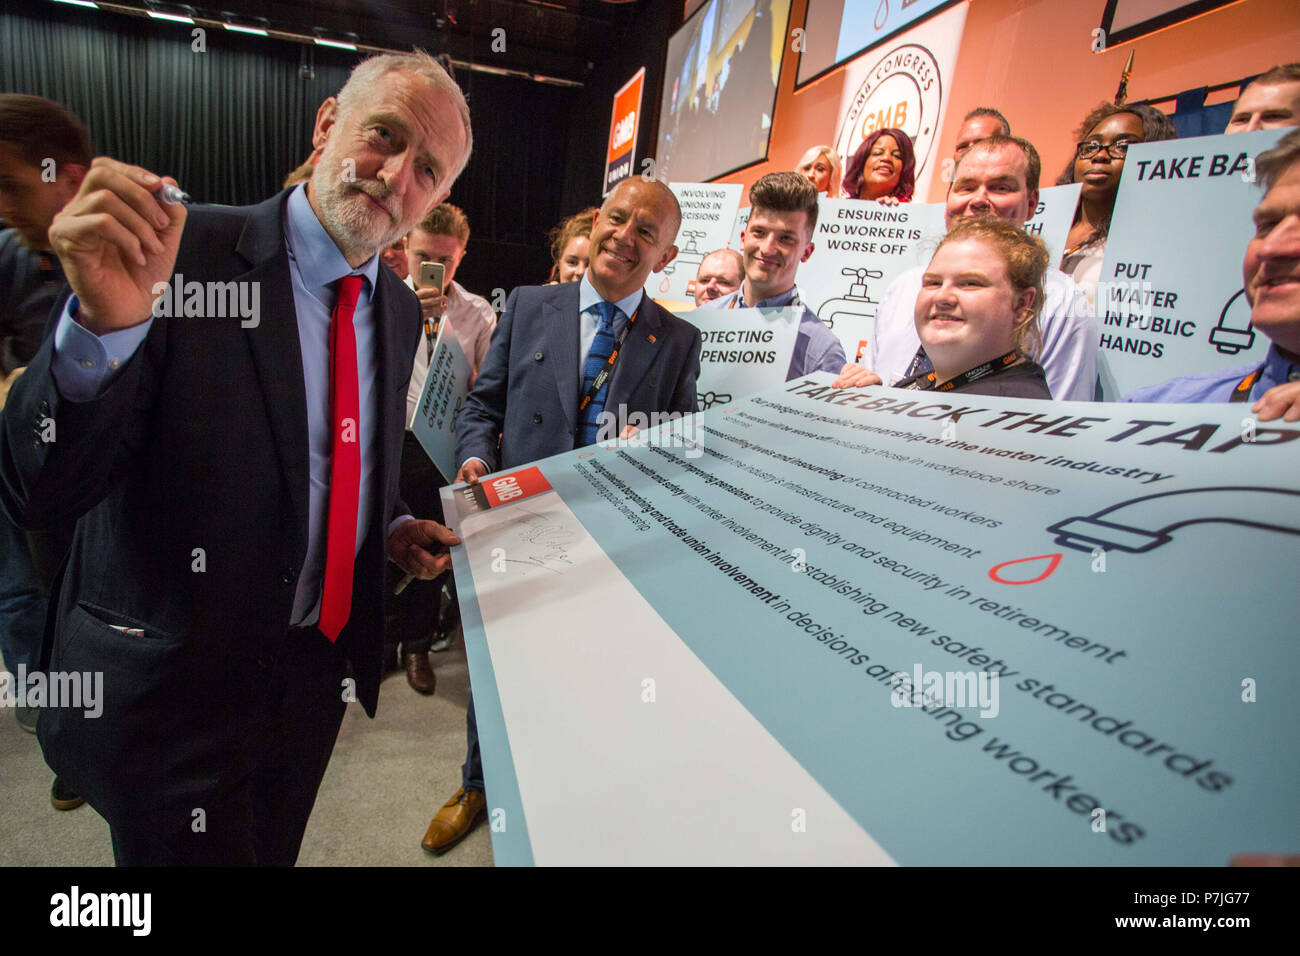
(23, 602)
(471, 771)
(258, 814)
(412, 616)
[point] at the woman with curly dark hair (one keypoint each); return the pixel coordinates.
(1104, 137)
(883, 168)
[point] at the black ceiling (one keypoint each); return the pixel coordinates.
(558, 38)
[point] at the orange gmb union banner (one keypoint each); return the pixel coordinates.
(623, 124)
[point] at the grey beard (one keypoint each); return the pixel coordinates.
(350, 228)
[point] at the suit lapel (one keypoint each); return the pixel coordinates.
(640, 350)
(277, 351)
(561, 333)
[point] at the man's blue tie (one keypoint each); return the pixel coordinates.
(601, 346)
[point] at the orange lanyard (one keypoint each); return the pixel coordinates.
(608, 370)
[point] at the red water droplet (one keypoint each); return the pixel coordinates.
(1053, 561)
(664, 284)
(882, 16)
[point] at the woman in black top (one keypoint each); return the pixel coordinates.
(977, 312)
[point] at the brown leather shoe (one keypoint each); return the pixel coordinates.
(454, 821)
(419, 674)
(63, 797)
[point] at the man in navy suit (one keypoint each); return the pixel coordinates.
(538, 391)
(233, 475)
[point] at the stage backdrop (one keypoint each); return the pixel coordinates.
(904, 84)
(230, 122)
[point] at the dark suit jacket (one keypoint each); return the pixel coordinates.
(527, 390)
(189, 477)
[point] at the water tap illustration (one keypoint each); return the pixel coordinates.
(857, 302)
(1233, 333)
(690, 255)
(1143, 524)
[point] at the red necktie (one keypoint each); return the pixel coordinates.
(345, 463)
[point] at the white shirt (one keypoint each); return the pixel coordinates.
(1084, 267)
(1070, 338)
(467, 316)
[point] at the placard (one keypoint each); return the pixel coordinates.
(1170, 300)
(708, 212)
(743, 352)
(445, 390)
(860, 247)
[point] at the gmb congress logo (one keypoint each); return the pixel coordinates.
(902, 90)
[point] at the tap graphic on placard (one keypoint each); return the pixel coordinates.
(857, 302)
(691, 254)
(1143, 524)
(1233, 333)
(710, 398)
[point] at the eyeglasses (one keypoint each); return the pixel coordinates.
(1115, 150)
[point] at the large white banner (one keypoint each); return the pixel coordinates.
(847, 624)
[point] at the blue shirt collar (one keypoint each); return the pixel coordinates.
(320, 262)
(588, 297)
(1278, 369)
(775, 302)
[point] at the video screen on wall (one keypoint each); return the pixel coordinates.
(836, 31)
(720, 88)
(1125, 20)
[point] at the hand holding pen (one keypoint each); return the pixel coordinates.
(116, 239)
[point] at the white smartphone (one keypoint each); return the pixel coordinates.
(431, 274)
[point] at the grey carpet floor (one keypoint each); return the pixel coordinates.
(386, 780)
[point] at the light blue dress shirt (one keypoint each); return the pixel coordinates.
(1217, 386)
(84, 365)
(589, 319)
